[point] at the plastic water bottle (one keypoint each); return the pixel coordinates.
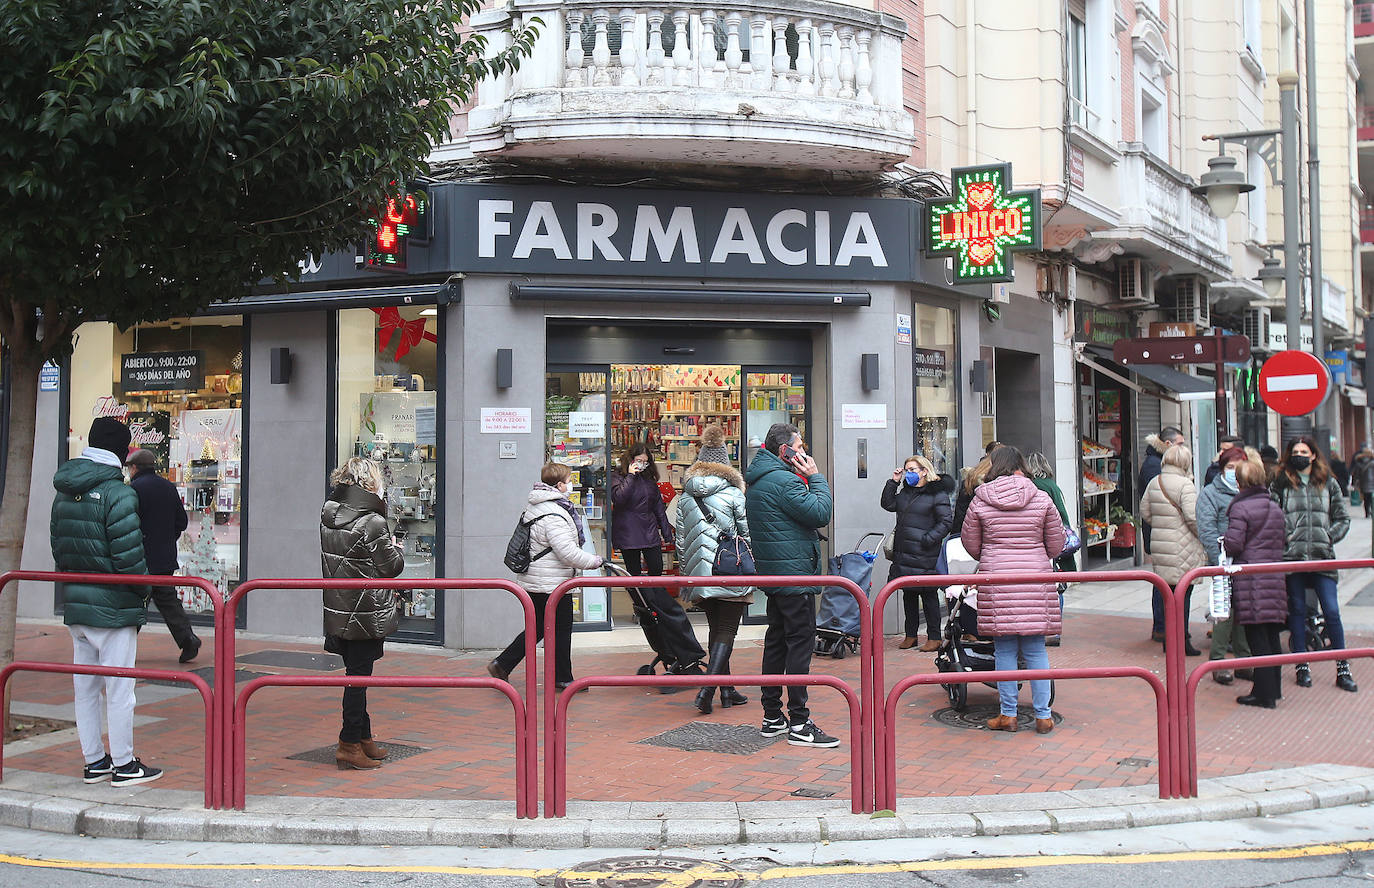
(1220, 605)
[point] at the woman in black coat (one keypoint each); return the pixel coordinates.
(920, 497)
(1259, 602)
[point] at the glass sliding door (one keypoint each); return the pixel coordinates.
(575, 435)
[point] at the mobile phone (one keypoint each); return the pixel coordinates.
(787, 453)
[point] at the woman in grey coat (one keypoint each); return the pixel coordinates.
(1213, 501)
(712, 501)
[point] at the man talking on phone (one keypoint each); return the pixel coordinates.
(788, 501)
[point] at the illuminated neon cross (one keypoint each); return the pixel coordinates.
(983, 223)
(401, 223)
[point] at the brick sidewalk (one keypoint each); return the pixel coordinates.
(1107, 738)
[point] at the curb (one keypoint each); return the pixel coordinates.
(31, 800)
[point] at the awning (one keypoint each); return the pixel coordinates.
(1358, 397)
(1162, 381)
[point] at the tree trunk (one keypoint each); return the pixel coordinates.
(25, 363)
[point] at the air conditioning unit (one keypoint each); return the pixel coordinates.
(1133, 283)
(1256, 328)
(1190, 302)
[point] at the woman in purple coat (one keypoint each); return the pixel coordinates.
(639, 522)
(1259, 602)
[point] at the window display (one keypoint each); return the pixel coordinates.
(388, 412)
(575, 435)
(179, 386)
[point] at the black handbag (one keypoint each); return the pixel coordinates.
(733, 558)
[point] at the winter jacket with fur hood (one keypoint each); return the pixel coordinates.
(356, 544)
(924, 519)
(720, 488)
(555, 531)
(1013, 526)
(1255, 535)
(1169, 506)
(1316, 519)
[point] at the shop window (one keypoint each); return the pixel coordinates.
(179, 386)
(575, 435)
(387, 410)
(936, 387)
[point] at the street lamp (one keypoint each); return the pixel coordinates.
(1271, 275)
(1222, 184)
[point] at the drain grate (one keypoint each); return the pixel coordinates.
(315, 662)
(1136, 762)
(208, 673)
(975, 717)
(811, 792)
(325, 754)
(649, 871)
(709, 737)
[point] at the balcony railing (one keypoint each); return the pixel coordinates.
(1364, 19)
(1165, 221)
(819, 82)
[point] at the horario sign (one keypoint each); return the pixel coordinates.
(983, 223)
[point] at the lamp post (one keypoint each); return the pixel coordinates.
(1223, 184)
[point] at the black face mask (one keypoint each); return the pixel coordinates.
(1297, 463)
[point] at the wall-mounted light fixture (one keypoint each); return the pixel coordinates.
(505, 368)
(281, 366)
(978, 376)
(868, 372)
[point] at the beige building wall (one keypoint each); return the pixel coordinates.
(1335, 91)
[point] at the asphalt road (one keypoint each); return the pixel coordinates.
(1333, 847)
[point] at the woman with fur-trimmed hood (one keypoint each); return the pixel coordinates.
(712, 501)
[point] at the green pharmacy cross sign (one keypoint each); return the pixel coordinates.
(983, 223)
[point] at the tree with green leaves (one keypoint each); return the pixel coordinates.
(159, 155)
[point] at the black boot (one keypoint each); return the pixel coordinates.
(1304, 676)
(718, 664)
(1343, 679)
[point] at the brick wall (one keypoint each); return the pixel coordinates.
(913, 67)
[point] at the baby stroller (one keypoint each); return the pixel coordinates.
(838, 627)
(962, 649)
(666, 629)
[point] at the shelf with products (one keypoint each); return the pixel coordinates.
(1100, 470)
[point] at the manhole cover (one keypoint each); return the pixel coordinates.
(649, 872)
(321, 662)
(1136, 762)
(709, 737)
(811, 792)
(325, 754)
(975, 716)
(208, 673)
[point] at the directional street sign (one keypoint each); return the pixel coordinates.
(1181, 350)
(1293, 383)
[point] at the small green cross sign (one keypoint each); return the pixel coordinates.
(982, 223)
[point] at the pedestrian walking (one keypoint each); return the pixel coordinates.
(1213, 501)
(1362, 474)
(1259, 602)
(920, 498)
(556, 539)
(1012, 526)
(1316, 519)
(1042, 476)
(95, 529)
(163, 518)
(355, 543)
(788, 501)
(1170, 505)
(1150, 465)
(1341, 473)
(713, 449)
(639, 520)
(712, 506)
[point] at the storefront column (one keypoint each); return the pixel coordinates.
(287, 449)
(1065, 457)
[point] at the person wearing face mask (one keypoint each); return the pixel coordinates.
(639, 520)
(1315, 519)
(556, 553)
(1212, 504)
(920, 498)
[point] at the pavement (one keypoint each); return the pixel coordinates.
(452, 778)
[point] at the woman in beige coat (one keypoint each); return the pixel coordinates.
(1169, 506)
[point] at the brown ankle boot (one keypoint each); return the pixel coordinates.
(372, 750)
(1044, 725)
(1003, 723)
(350, 755)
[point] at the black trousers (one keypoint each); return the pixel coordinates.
(173, 614)
(787, 648)
(636, 560)
(1367, 500)
(723, 616)
(563, 620)
(912, 602)
(1264, 640)
(358, 657)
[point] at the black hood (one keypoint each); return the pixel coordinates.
(348, 502)
(942, 485)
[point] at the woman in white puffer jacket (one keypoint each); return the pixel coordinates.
(556, 553)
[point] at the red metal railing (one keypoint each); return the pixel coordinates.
(555, 705)
(214, 730)
(526, 749)
(1187, 695)
(1170, 738)
(200, 684)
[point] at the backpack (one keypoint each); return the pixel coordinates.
(518, 557)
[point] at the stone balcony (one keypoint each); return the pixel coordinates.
(1162, 220)
(791, 83)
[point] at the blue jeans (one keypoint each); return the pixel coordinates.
(1297, 609)
(1032, 649)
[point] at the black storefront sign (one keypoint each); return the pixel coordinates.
(929, 364)
(162, 371)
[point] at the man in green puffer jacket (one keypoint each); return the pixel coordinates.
(96, 529)
(788, 501)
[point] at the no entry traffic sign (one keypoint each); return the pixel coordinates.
(1293, 383)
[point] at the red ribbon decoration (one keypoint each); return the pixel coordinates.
(390, 322)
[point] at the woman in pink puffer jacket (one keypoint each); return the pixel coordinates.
(1013, 526)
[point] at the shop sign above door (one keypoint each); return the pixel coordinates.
(983, 223)
(162, 371)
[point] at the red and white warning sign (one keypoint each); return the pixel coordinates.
(1293, 383)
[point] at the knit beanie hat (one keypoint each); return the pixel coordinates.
(108, 433)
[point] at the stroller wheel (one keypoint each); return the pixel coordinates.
(958, 696)
(647, 669)
(839, 651)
